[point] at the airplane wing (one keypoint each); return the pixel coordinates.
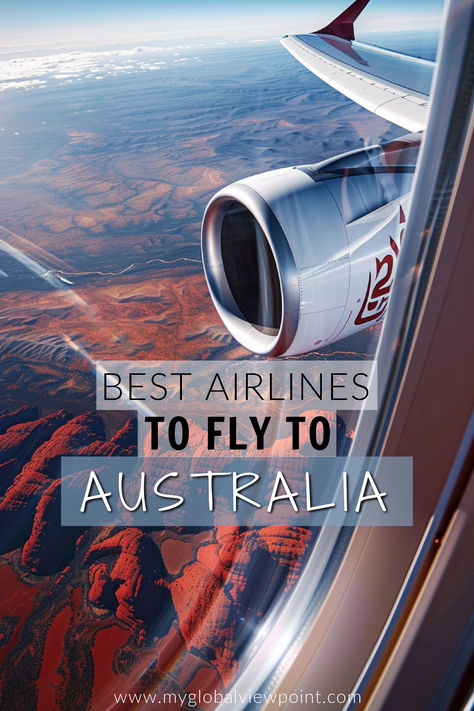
(392, 85)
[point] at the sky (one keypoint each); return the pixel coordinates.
(67, 21)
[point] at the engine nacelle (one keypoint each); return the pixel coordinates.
(300, 257)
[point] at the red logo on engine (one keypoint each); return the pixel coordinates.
(378, 289)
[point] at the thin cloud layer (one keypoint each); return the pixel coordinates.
(33, 72)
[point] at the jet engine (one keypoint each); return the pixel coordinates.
(300, 257)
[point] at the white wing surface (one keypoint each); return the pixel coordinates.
(392, 85)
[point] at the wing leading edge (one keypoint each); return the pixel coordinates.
(392, 85)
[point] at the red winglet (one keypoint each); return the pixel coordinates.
(343, 25)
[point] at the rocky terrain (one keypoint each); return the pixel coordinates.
(180, 604)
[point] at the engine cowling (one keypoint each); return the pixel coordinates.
(300, 257)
